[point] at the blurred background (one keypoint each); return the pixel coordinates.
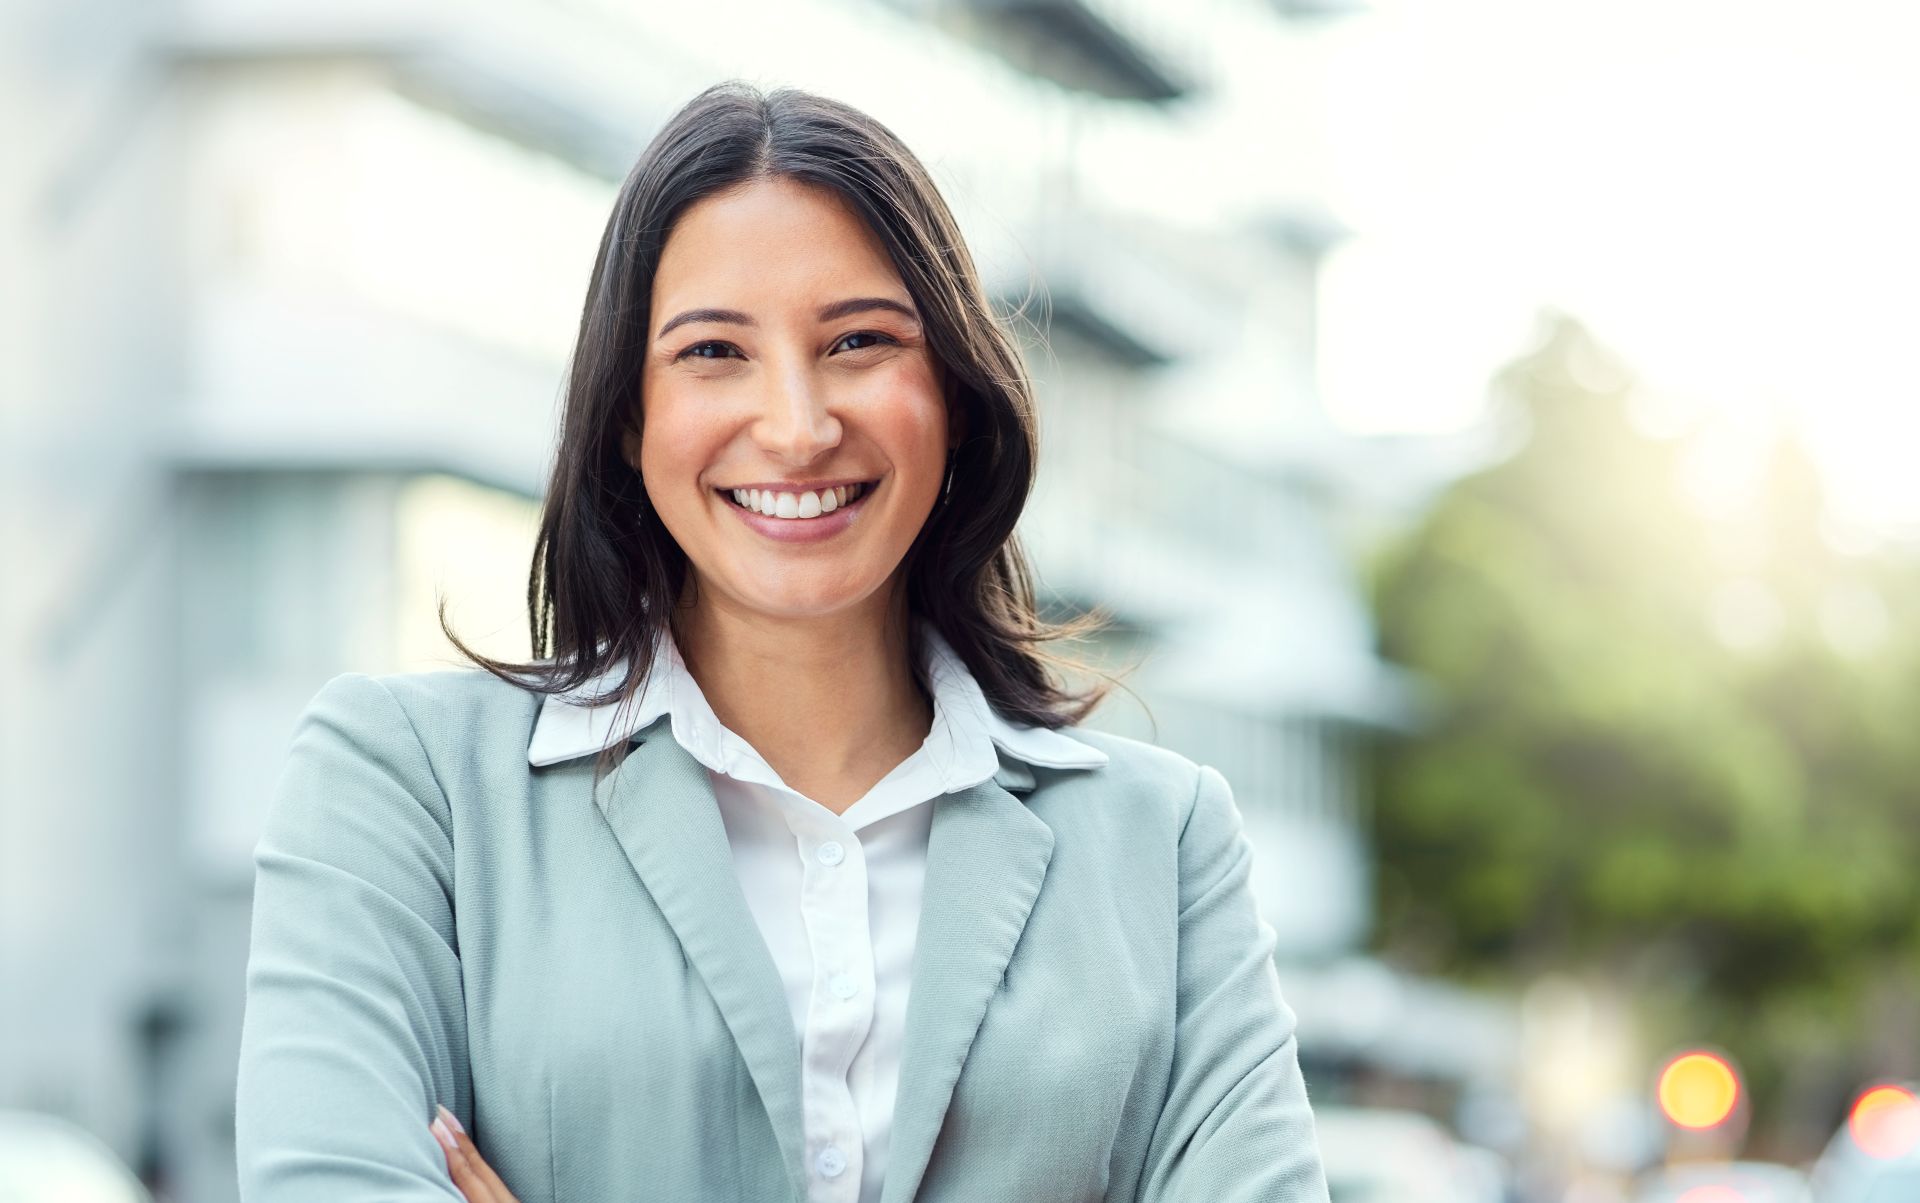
(1493, 424)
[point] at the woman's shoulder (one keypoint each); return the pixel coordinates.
(435, 706)
(1136, 767)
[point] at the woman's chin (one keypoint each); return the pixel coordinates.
(801, 599)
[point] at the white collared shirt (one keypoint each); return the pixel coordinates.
(837, 897)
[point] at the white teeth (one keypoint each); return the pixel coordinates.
(810, 504)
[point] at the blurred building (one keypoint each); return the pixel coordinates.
(288, 291)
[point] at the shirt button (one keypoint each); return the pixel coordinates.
(844, 985)
(830, 853)
(831, 1161)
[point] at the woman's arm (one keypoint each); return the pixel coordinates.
(355, 1024)
(1235, 1125)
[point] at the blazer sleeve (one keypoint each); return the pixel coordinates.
(1235, 1125)
(355, 1025)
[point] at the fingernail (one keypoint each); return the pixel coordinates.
(445, 1137)
(453, 1120)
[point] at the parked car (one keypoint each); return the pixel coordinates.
(1847, 1172)
(1485, 1176)
(45, 1159)
(1725, 1182)
(1382, 1155)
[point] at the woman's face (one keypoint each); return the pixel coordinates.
(785, 356)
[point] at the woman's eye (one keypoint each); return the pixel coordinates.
(865, 334)
(699, 350)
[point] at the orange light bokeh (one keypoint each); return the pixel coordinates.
(1885, 1122)
(1698, 1090)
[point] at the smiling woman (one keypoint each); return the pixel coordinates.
(783, 870)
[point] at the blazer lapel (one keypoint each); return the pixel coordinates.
(661, 806)
(986, 856)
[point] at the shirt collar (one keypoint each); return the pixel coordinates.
(965, 744)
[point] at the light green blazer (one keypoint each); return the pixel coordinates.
(575, 973)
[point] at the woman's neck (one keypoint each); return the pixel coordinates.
(832, 703)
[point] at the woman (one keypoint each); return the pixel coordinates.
(831, 902)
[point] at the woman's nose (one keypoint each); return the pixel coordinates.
(797, 422)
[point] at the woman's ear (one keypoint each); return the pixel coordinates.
(956, 413)
(630, 447)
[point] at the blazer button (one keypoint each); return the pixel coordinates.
(830, 853)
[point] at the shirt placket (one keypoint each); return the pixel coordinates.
(833, 903)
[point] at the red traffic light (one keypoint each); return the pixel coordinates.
(1885, 1122)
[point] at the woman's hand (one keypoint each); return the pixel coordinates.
(475, 1178)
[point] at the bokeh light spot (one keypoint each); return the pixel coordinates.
(1886, 1122)
(1698, 1090)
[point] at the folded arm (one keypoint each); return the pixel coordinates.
(355, 1024)
(1235, 1124)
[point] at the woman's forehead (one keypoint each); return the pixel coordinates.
(778, 229)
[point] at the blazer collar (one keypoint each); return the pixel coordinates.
(969, 739)
(987, 856)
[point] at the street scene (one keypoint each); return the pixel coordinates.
(1487, 427)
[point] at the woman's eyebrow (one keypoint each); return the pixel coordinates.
(731, 316)
(840, 309)
(828, 313)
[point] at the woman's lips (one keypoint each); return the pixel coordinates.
(803, 530)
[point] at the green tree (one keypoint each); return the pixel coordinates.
(1653, 750)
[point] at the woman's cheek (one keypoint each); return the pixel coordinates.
(677, 444)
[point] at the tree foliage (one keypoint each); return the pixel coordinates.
(1679, 746)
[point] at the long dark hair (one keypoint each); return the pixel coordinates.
(606, 572)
